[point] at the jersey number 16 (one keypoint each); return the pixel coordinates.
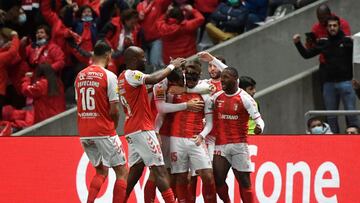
(87, 98)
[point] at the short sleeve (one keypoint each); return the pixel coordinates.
(135, 78)
(160, 91)
(250, 105)
(112, 90)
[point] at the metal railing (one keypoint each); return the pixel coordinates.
(309, 114)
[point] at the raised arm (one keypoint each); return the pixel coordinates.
(305, 53)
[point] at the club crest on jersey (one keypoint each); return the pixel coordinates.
(236, 107)
(220, 103)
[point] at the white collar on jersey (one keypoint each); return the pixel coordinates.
(230, 95)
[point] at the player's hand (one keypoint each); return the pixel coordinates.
(296, 38)
(198, 139)
(195, 105)
(176, 90)
(14, 33)
(205, 56)
(159, 138)
(178, 62)
(257, 130)
(356, 84)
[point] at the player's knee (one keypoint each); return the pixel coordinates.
(207, 177)
(244, 180)
(182, 178)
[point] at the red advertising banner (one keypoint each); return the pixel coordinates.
(288, 169)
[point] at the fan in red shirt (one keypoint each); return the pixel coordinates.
(232, 108)
(144, 147)
(150, 11)
(6, 56)
(47, 91)
(44, 51)
(98, 115)
(178, 33)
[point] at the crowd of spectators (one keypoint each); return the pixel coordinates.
(45, 43)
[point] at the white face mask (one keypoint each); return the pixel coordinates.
(41, 42)
(87, 19)
(318, 130)
(22, 18)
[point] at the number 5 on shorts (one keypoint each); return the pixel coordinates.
(173, 156)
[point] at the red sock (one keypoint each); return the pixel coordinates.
(209, 192)
(119, 194)
(149, 191)
(168, 196)
(95, 186)
(222, 191)
(247, 195)
(192, 190)
(182, 193)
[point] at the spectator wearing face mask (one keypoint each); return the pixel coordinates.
(317, 126)
(43, 51)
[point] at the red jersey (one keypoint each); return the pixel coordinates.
(135, 101)
(231, 116)
(95, 88)
(186, 124)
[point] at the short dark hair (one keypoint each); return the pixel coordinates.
(315, 118)
(232, 71)
(194, 65)
(46, 29)
(101, 48)
(128, 14)
(333, 18)
(176, 13)
(246, 81)
(175, 75)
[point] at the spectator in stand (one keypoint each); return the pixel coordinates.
(178, 33)
(227, 21)
(47, 91)
(337, 50)
(206, 8)
(317, 126)
(352, 130)
(7, 53)
(249, 85)
(257, 12)
(44, 51)
(122, 32)
(150, 11)
(319, 30)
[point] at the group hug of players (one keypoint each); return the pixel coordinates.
(187, 128)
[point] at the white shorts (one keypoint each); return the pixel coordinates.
(165, 147)
(144, 146)
(237, 155)
(210, 144)
(186, 155)
(106, 150)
